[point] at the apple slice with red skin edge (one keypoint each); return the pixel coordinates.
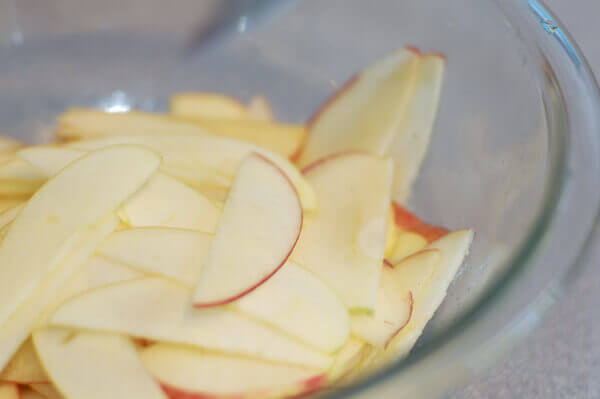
(293, 300)
(395, 298)
(366, 113)
(344, 242)
(94, 365)
(408, 221)
(193, 373)
(175, 321)
(24, 367)
(408, 243)
(17, 328)
(454, 248)
(262, 219)
(205, 161)
(60, 209)
(174, 253)
(409, 147)
(9, 390)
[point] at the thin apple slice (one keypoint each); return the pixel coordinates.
(408, 221)
(188, 373)
(367, 112)
(348, 358)
(173, 253)
(94, 365)
(207, 161)
(15, 330)
(262, 219)
(49, 160)
(9, 390)
(85, 123)
(344, 243)
(299, 303)
(454, 248)
(410, 146)
(77, 197)
(391, 234)
(159, 310)
(166, 202)
(206, 105)
(24, 367)
(293, 300)
(19, 179)
(395, 298)
(407, 243)
(96, 272)
(260, 109)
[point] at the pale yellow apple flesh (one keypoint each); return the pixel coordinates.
(206, 105)
(9, 144)
(77, 197)
(191, 373)
(144, 312)
(196, 156)
(367, 113)
(45, 390)
(344, 242)
(166, 202)
(24, 367)
(30, 393)
(94, 365)
(9, 215)
(347, 358)
(174, 253)
(262, 219)
(407, 243)
(260, 109)
(15, 330)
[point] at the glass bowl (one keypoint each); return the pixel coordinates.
(515, 153)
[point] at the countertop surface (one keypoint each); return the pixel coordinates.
(561, 358)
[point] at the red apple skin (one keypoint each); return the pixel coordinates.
(411, 304)
(259, 283)
(387, 263)
(309, 386)
(408, 221)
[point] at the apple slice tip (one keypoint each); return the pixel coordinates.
(345, 87)
(413, 49)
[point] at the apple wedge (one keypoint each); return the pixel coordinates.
(49, 160)
(454, 248)
(166, 202)
(409, 146)
(94, 365)
(395, 298)
(367, 112)
(9, 390)
(186, 373)
(297, 302)
(407, 221)
(206, 105)
(15, 330)
(172, 253)
(77, 197)
(407, 243)
(344, 243)
(159, 310)
(262, 219)
(207, 161)
(24, 367)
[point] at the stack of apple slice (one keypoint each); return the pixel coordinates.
(186, 256)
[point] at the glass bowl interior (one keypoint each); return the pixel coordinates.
(493, 160)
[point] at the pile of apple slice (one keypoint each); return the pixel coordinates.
(212, 252)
